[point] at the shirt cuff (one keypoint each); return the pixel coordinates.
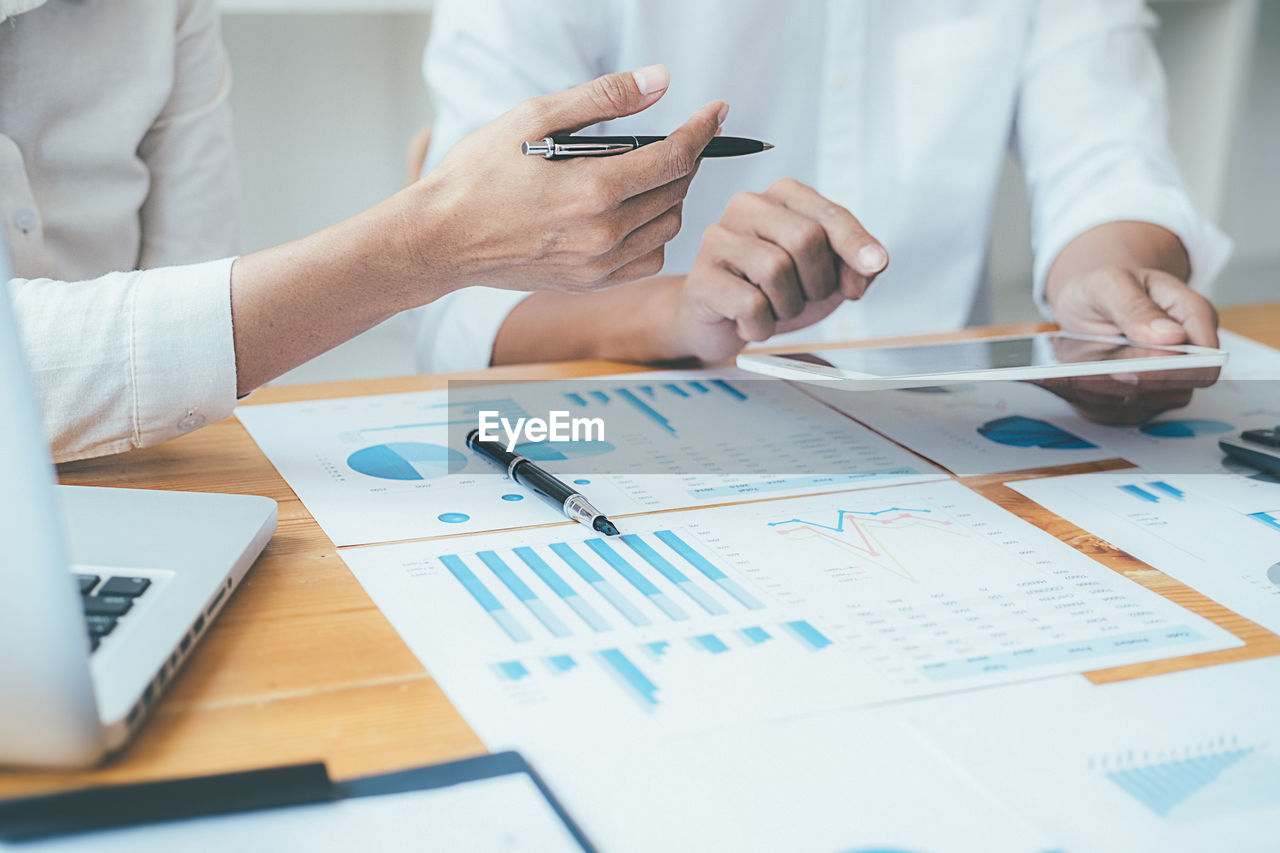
(457, 332)
(1208, 249)
(184, 360)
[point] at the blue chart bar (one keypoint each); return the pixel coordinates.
(1172, 491)
(754, 635)
(639, 581)
(576, 399)
(638, 684)
(728, 389)
(512, 670)
(608, 591)
(699, 387)
(657, 649)
(807, 634)
(675, 389)
(601, 396)
(561, 663)
(645, 409)
(711, 643)
(702, 564)
(1270, 519)
(540, 568)
(674, 575)
(1140, 493)
(649, 391)
(485, 599)
(521, 591)
(1161, 787)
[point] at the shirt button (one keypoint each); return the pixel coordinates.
(190, 422)
(26, 219)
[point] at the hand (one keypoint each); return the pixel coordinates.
(1147, 306)
(775, 262)
(507, 220)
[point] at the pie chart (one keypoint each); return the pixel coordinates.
(1020, 431)
(1189, 428)
(406, 460)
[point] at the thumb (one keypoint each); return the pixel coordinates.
(1129, 306)
(602, 99)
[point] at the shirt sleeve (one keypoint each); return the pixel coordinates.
(483, 58)
(130, 359)
(189, 214)
(1091, 132)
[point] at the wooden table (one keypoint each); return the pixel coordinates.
(302, 666)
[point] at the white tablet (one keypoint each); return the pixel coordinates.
(1043, 356)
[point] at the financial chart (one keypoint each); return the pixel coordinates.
(1208, 531)
(393, 467)
(834, 601)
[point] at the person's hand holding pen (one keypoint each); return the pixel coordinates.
(571, 225)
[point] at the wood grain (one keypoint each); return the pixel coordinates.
(302, 666)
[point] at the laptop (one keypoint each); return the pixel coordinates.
(106, 591)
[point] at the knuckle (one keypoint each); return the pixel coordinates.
(651, 264)
(776, 264)
(785, 185)
(610, 93)
(535, 113)
(679, 161)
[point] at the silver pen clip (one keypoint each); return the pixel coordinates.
(549, 149)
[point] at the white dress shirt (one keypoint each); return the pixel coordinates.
(115, 156)
(901, 110)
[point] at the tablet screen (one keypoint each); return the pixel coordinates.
(964, 356)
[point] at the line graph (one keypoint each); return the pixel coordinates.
(861, 533)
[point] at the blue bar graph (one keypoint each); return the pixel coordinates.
(645, 409)
(521, 590)
(649, 391)
(711, 643)
(754, 635)
(699, 387)
(1172, 491)
(607, 591)
(512, 670)
(557, 584)
(1270, 519)
(639, 581)
(671, 573)
(708, 569)
(676, 389)
(576, 399)
(561, 663)
(728, 389)
(807, 634)
(637, 683)
(601, 396)
(1162, 786)
(485, 599)
(1140, 493)
(657, 649)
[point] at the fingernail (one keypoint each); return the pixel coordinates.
(651, 78)
(1165, 326)
(723, 114)
(871, 259)
(1126, 378)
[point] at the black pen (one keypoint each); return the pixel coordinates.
(560, 147)
(526, 473)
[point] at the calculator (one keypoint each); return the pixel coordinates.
(1258, 448)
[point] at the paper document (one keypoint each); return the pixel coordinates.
(997, 427)
(1182, 762)
(759, 611)
(854, 780)
(384, 468)
(1218, 534)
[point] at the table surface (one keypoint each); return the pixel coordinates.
(301, 666)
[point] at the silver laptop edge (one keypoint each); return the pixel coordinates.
(60, 705)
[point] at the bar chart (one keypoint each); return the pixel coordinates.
(834, 601)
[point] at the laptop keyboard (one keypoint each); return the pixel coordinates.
(105, 600)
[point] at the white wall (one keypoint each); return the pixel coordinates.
(326, 101)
